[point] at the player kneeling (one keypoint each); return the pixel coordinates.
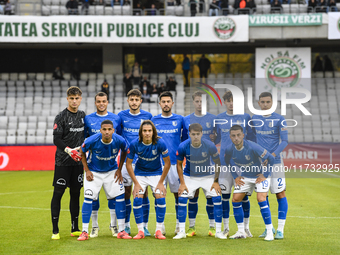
(148, 172)
(248, 156)
(198, 174)
(101, 171)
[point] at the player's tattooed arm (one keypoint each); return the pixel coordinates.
(89, 174)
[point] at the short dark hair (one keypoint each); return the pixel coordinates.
(266, 94)
(73, 90)
(155, 136)
(228, 96)
(134, 92)
(166, 94)
(101, 94)
(195, 127)
(106, 122)
(197, 93)
(236, 127)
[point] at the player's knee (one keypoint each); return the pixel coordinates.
(261, 198)
(281, 195)
(59, 190)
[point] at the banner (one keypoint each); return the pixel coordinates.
(308, 154)
(27, 158)
(268, 20)
(123, 29)
(333, 25)
(282, 68)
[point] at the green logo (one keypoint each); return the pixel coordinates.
(283, 72)
(224, 28)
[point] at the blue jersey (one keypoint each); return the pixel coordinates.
(131, 123)
(224, 122)
(198, 161)
(93, 123)
(249, 159)
(170, 128)
(148, 161)
(206, 121)
(269, 130)
(102, 156)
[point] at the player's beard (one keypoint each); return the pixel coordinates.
(99, 111)
(135, 108)
(167, 109)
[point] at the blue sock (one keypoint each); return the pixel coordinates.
(210, 208)
(193, 208)
(217, 202)
(128, 210)
(238, 212)
(283, 208)
(146, 209)
(182, 209)
(225, 205)
(95, 205)
(160, 213)
(138, 210)
(111, 204)
(246, 207)
(86, 210)
(267, 201)
(120, 207)
(176, 207)
(265, 212)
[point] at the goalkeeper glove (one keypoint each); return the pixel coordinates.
(74, 154)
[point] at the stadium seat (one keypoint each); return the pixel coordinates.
(54, 9)
(31, 139)
(5, 76)
(3, 122)
(108, 11)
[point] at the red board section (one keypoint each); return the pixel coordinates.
(27, 157)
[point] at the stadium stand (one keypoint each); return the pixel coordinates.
(28, 106)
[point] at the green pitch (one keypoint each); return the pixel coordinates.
(312, 225)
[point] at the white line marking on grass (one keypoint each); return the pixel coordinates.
(21, 192)
(201, 214)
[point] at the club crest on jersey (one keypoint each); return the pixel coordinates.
(141, 121)
(247, 157)
(204, 154)
(174, 123)
(208, 124)
(154, 152)
(114, 150)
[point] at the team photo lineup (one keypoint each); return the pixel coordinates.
(124, 154)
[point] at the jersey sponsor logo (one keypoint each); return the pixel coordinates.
(77, 129)
(168, 131)
(132, 130)
(247, 157)
(107, 158)
(95, 130)
(208, 124)
(154, 152)
(265, 132)
(164, 152)
(264, 153)
(225, 130)
(88, 192)
(204, 154)
(80, 178)
(115, 150)
(55, 126)
(61, 181)
(174, 123)
(149, 159)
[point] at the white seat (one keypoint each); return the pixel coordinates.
(31, 139)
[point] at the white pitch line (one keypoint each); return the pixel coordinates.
(201, 214)
(23, 192)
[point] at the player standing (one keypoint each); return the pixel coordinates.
(169, 127)
(68, 134)
(224, 121)
(148, 172)
(101, 171)
(247, 156)
(197, 174)
(270, 130)
(207, 123)
(92, 126)
(131, 121)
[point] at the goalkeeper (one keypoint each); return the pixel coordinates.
(68, 132)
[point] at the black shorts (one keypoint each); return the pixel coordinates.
(68, 176)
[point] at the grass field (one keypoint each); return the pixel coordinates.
(312, 225)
